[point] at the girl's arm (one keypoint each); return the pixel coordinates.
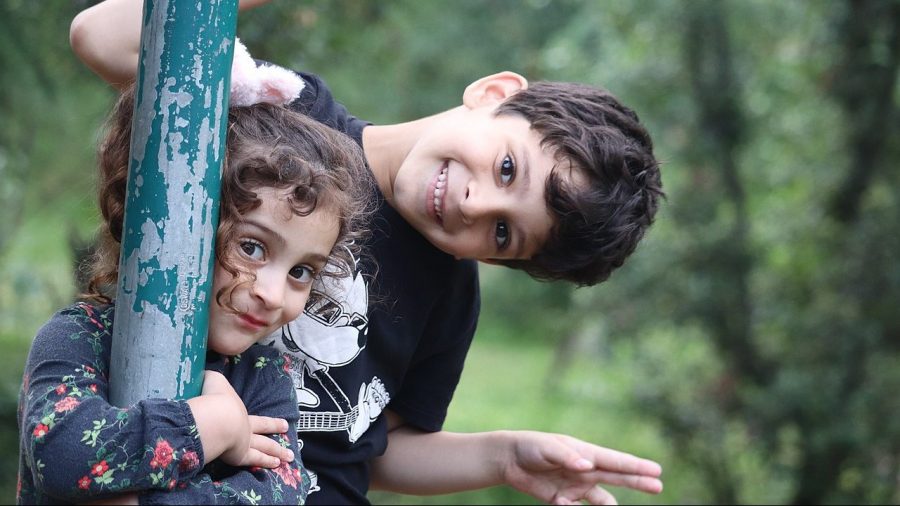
(268, 391)
(76, 446)
(553, 468)
(107, 38)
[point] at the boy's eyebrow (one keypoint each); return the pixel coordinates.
(525, 182)
(520, 243)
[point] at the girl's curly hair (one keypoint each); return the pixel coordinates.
(267, 146)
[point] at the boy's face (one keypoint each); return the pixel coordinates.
(474, 183)
(284, 251)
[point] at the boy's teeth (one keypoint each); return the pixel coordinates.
(439, 191)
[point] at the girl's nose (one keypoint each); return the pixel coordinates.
(269, 290)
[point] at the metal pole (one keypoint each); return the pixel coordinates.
(172, 203)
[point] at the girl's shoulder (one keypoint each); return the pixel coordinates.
(95, 319)
(255, 362)
(98, 314)
(79, 323)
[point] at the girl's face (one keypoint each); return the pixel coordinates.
(285, 252)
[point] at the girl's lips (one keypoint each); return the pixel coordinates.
(251, 321)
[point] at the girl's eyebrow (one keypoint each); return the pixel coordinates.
(266, 231)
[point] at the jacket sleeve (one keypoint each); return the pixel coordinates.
(75, 444)
(267, 390)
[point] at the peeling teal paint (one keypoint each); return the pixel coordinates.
(172, 204)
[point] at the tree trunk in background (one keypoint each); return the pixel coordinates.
(864, 86)
(717, 96)
(864, 83)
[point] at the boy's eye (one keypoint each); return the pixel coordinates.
(501, 234)
(253, 249)
(302, 273)
(507, 170)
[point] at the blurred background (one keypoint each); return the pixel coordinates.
(751, 345)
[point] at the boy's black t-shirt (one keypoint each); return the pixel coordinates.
(395, 335)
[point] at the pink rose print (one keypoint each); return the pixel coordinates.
(189, 460)
(287, 364)
(286, 474)
(84, 483)
(89, 368)
(61, 389)
(93, 388)
(66, 404)
(162, 455)
(40, 430)
(171, 484)
(99, 468)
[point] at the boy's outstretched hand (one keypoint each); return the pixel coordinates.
(559, 469)
(554, 468)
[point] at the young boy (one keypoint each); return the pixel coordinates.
(556, 179)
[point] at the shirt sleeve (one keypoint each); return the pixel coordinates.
(262, 382)
(437, 365)
(76, 445)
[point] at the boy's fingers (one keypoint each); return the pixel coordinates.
(638, 482)
(625, 463)
(267, 425)
(598, 495)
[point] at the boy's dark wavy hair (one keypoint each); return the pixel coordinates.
(267, 146)
(597, 225)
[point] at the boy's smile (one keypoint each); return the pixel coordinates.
(471, 182)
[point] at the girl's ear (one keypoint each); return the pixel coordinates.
(493, 89)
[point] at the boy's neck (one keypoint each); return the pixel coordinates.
(387, 146)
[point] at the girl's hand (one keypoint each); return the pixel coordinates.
(227, 432)
(265, 451)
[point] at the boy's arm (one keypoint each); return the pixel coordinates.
(553, 468)
(107, 38)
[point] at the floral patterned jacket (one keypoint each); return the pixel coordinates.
(76, 447)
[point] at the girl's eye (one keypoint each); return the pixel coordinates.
(253, 249)
(302, 273)
(501, 234)
(507, 170)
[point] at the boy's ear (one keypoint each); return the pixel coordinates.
(493, 89)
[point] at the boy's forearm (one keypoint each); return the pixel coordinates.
(423, 463)
(107, 38)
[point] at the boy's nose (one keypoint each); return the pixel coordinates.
(478, 203)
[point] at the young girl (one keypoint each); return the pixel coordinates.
(294, 197)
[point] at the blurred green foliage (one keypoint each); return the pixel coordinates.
(751, 345)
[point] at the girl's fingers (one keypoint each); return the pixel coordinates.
(256, 458)
(270, 447)
(267, 425)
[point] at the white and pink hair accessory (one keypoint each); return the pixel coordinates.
(252, 84)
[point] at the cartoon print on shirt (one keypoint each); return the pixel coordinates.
(331, 333)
